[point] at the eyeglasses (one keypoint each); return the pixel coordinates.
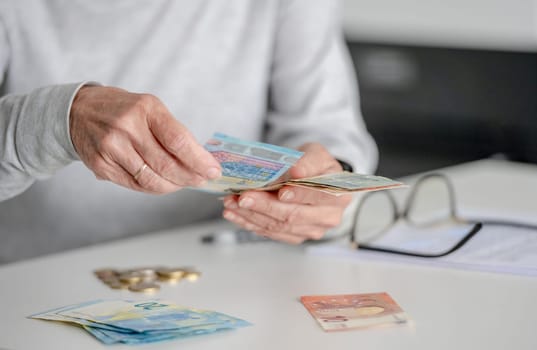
(426, 225)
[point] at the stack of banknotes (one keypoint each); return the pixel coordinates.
(139, 322)
(260, 166)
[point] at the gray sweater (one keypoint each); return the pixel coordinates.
(267, 70)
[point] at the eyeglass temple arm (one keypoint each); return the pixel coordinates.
(450, 188)
(395, 212)
(477, 227)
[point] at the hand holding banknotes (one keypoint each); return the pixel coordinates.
(292, 214)
(134, 141)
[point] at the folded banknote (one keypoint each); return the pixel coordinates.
(350, 311)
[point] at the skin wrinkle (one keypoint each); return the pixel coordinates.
(118, 139)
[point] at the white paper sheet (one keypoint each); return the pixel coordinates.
(495, 248)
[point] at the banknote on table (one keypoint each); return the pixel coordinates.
(260, 166)
(351, 311)
(139, 322)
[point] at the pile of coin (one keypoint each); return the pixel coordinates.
(145, 279)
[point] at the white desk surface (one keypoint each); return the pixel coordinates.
(261, 283)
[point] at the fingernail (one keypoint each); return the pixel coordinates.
(246, 202)
(229, 215)
(287, 196)
(213, 173)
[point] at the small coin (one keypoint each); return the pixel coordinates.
(192, 275)
(144, 287)
(118, 285)
(146, 272)
(170, 280)
(167, 273)
(131, 277)
(110, 280)
(105, 273)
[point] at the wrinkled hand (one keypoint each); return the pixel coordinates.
(292, 214)
(116, 132)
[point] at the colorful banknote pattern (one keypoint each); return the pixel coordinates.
(260, 166)
(350, 311)
(248, 165)
(138, 322)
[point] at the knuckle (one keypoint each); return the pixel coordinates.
(266, 206)
(108, 143)
(98, 166)
(293, 216)
(148, 180)
(165, 168)
(274, 226)
(178, 142)
(139, 106)
(146, 101)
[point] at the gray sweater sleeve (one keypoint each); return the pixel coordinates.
(314, 96)
(34, 131)
(34, 136)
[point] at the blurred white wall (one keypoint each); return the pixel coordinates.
(482, 24)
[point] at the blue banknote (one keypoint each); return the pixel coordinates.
(248, 164)
(137, 322)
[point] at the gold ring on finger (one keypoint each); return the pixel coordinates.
(140, 171)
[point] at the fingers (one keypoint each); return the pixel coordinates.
(315, 161)
(126, 167)
(178, 141)
(289, 213)
(263, 213)
(115, 132)
(292, 214)
(296, 194)
(164, 164)
(271, 227)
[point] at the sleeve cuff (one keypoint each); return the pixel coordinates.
(43, 138)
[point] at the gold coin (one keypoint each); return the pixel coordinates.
(105, 273)
(192, 275)
(144, 287)
(110, 280)
(118, 285)
(146, 272)
(167, 273)
(130, 277)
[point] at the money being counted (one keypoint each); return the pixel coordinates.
(344, 312)
(260, 166)
(139, 322)
(247, 165)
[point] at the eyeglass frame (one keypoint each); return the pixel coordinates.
(398, 215)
